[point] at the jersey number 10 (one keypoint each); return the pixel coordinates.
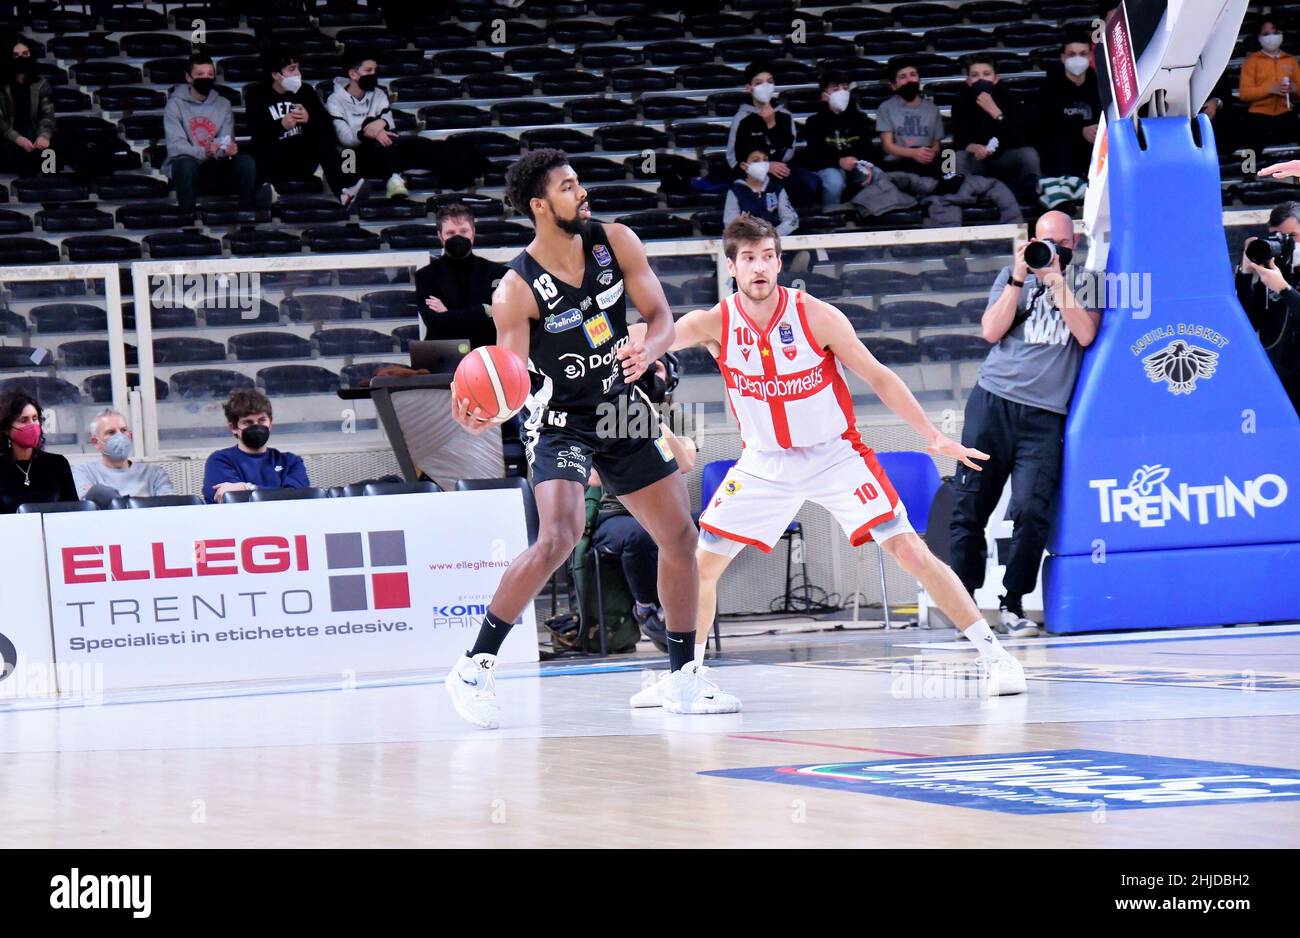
(866, 493)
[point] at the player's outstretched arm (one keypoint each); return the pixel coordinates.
(699, 327)
(1282, 170)
(833, 331)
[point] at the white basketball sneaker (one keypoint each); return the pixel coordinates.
(651, 693)
(472, 686)
(691, 690)
(1001, 676)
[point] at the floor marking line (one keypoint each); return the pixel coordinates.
(799, 742)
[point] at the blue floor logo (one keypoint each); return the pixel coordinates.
(1044, 782)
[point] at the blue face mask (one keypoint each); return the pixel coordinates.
(118, 447)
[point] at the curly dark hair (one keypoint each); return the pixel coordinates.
(244, 403)
(898, 63)
(12, 405)
(526, 179)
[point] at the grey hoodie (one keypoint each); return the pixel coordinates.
(744, 111)
(189, 124)
(350, 114)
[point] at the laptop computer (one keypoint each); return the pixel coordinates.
(439, 356)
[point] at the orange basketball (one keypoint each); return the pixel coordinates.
(495, 380)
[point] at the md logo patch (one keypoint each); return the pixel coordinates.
(598, 330)
(1044, 782)
(351, 592)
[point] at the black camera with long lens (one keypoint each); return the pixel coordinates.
(1276, 246)
(1039, 254)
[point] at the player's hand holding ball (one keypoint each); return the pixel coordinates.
(635, 360)
(491, 386)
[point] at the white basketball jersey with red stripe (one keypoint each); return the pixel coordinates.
(784, 390)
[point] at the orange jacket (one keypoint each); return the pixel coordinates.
(1261, 72)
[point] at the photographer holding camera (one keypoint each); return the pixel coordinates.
(1269, 268)
(1016, 412)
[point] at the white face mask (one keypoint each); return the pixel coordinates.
(763, 93)
(1272, 42)
(291, 83)
(1076, 64)
(758, 171)
(839, 100)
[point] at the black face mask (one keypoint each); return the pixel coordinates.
(255, 437)
(204, 85)
(24, 65)
(457, 247)
(980, 87)
(909, 91)
(368, 82)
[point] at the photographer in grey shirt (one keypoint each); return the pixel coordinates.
(1016, 414)
(115, 469)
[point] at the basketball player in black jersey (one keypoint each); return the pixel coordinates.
(562, 308)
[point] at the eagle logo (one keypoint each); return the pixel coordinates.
(1180, 366)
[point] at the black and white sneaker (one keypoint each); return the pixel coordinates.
(652, 627)
(1012, 622)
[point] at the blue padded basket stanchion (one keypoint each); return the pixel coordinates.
(1180, 489)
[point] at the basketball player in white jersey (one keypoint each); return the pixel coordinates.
(782, 356)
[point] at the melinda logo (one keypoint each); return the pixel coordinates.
(560, 322)
(351, 592)
(1044, 782)
(1153, 507)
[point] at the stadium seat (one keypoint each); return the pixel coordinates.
(159, 214)
(496, 85)
(630, 137)
(309, 210)
(340, 239)
(153, 45)
(677, 52)
(287, 495)
(99, 388)
(640, 79)
(621, 199)
(648, 28)
(891, 351)
(50, 392)
(581, 32)
(727, 103)
(391, 304)
(709, 222)
(321, 307)
(91, 353)
(121, 187)
(449, 116)
(82, 47)
(51, 187)
(424, 88)
(53, 508)
(376, 210)
(445, 36)
(268, 344)
(516, 113)
(70, 100)
(656, 224)
(258, 241)
(781, 22)
(357, 375)
(73, 218)
(692, 134)
(132, 502)
(24, 356)
(98, 73)
(222, 44)
(718, 25)
(1027, 35)
(411, 237)
(12, 323)
(282, 380)
(608, 57)
(459, 62)
(134, 20)
(161, 317)
(168, 244)
(423, 487)
(925, 15)
(68, 317)
(596, 110)
(569, 81)
(869, 282)
(89, 249)
(696, 361)
(915, 314)
(208, 383)
(709, 75)
(889, 42)
(405, 335)
(849, 19)
(335, 342)
(671, 106)
(215, 17)
(14, 222)
(27, 251)
(597, 169)
(539, 58)
(951, 348)
(494, 233)
(182, 350)
(747, 49)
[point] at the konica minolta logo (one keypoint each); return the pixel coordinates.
(1150, 502)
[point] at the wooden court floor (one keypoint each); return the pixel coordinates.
(847, 739)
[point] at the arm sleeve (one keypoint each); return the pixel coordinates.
(295, 476)
(962, 125)
(67, 488)
(176, 136)
(216, 470)
(789, 217)
(730, 209)
(263, 128)
(1252, 87)
(343, 130)
(938, 123)
(159, 482)
(999, 284)
(45, 111)
(818, 152)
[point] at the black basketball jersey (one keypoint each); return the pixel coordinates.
(573, 341)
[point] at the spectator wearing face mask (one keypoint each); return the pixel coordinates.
(292, 133)
(1069, 108)
(909, 124)
(26, 114)
(455, 290)
(838, 139)
(988, 130)
(202, 153)
(364, 123)
(250, 464)
(28, 474)
(115, 471)
(762, 126)
(1268, 88)
(760, 195)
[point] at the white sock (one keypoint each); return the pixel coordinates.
(700, 649)
(985, 642)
